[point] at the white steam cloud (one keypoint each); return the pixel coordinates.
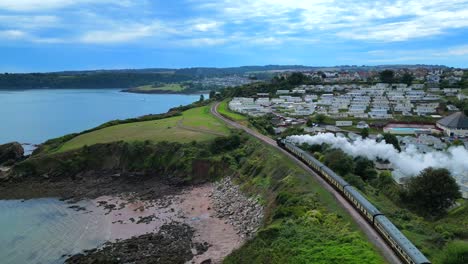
(410, 162)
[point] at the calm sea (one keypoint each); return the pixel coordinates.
(42, 230)
(33, 116)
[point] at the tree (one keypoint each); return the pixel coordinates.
(202, 98)
(387, 76)
(432, 192)
(320, 118)
(355, 181)
(339, 162)
(464, 106)
(407, 78)
(212, 94)
(309, 122)
(296, 78)
(364, 168)
(454, 252)
(391, 139)
(385, 179)
(365, 132)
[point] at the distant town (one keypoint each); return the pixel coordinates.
(424, 112)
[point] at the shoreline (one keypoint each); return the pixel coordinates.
(129, 219)
(155, 91)
(200, 215)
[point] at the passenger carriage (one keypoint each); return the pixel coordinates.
(400, 244)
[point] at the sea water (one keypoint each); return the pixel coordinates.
(34, 116)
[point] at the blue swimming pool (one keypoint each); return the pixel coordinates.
(407, 130)
(404, 129)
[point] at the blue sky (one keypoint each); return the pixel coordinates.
(53, 35)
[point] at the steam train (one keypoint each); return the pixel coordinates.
(399, 243)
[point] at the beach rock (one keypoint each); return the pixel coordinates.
(172, 244)
(10, 153)
(243, 213)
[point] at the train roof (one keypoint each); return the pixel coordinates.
(309, 156)
(335, 176)
(401, 239)
(363, 201)
(332, 174)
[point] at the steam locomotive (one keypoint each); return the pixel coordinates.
(399, 243)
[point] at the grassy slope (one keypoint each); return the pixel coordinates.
(201, 118)
(168, 87)
(396, 118)
(165, 129)
(304, 223)
(224, 110)
(429, 236)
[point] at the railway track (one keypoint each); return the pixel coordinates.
(372, 235)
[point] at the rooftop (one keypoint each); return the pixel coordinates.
(456, 120)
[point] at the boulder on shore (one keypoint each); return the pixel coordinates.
(10, 153)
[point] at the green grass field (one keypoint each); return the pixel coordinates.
(223, 109)
(430, 236)
(304, 222)
(195, 124)
(174, 87)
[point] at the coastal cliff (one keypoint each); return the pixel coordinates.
(10, 153)
(266, 205)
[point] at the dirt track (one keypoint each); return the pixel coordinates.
(367, 228)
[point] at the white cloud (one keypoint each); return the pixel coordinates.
(29, 22)
(244, 22)
(205, 26)
(122, 33)
(374, 20)
(417, 56)
(458, 51)
(41, 5)
(12, 34)
(197, 42)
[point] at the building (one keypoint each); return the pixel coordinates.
(343, 123)
(455, 124)
(362, 125)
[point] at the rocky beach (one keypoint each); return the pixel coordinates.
(198, 225)
(147, 218)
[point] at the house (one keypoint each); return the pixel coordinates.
(362, 125)
(354, 136)
(314, 130)
(279, 130)
(343, 123)
(451, 91)
(332, 128)
(298, 91)
(379, 114)
(452, 108)
(455, 124)
(282, 92)
(464, 190)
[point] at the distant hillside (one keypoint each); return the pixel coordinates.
(128, 78)
(98, 79)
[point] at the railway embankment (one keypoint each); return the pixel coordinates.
(280, 211)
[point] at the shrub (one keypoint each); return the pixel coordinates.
(455, 252)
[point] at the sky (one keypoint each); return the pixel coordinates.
(55, 35)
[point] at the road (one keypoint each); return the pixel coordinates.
(365, 226)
